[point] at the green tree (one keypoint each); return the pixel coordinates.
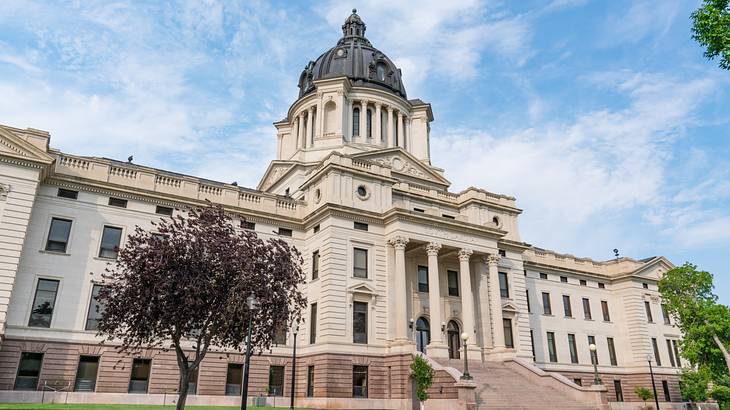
(423, 376)
(693, 384)
(689, 298)
(644, 394)
(711, 28)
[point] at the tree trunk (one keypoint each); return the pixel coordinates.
(183, 391)
(723, 349)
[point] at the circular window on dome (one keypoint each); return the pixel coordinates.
(362, 192)
(341, 53)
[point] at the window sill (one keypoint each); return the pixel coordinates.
(101, 258)
(548, 314)
(588, 319)
(568, 317)
(54, 252)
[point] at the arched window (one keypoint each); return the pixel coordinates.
(423, 334)
(369, 120)
(380, 71)
(356, 122)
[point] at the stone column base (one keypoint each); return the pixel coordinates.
(466, 391)
(438, 350)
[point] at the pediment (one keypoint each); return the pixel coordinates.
(405, 164)
(14, 146)
(510, 307)
(362, 288)
(654, 268)
(273, 174)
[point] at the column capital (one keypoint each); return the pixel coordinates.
(432, 248)
(492, 260)
(465, 254)
(378, 105)
(399, 242)
(390, 109)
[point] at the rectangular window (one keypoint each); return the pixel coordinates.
(67, 193)
(551, 347)
(280, 335)
(675, 345)
(315, 265)
(508, 339)
(234, 379)
(110, 239)
(594, 353)
(360, 382)
(573, 349)
(163, 210)
(58, 235)
(502, 253)
(645, 285)
(251, 226)
(604, 309)
(360, 263)
(611, 351)
(587, 309)
(583, 282)
(276, 380)
(285, 232)
(316, 228)
(543, 276)
(118, 202)
(29, 371)
(453, 279)
(448, 216)
(419, 210)
(564, 279)
(86, 373)
(527, 298)
(360, 322)
(619, 391)
(96, 309)
(503, 285)
(601, 285)
(422, 279)
(566, 306)
(532, 344)
(546, 307)
(665, 314)
(43, 303)
(665, 388)
(671, 353)
(647, 308)
(140, 376)
(310, 381)
(361, 226)
(655, 346)
(313, 325)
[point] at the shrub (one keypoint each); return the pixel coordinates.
(423, 375)
(644, 394)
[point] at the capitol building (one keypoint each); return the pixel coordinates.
(397, 265)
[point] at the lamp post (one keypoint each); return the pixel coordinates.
(653, 384)
(293, 368)
(253, 305)
(466, 375)
(596, 377)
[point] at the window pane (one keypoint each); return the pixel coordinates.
(356, 122)
(503, 285)
(360, 263)
(276, 381)
(671, 353)
(547, 309)
(647, 307)
(140, 375)
(310, 381)
(604, 308)
(587, 309)
(507, 325)
(43, 304)
(566, 306)
(86, 373)
(612, 352)
(551, 347)
(360, 381)
(58, 235)
(594, 354)
(234, 378)
(313, 324)
(29, 369)
(96, 309)
(360, 322)
(573, 349)
(110, 239)
(315, 265)
(657, 358)
(422, 279)
(619, 390)
(453, 279)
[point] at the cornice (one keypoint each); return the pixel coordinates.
(560, 269)
(436, 222)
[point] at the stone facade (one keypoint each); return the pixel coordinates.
(353, 188)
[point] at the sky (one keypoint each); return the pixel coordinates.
(602, 118)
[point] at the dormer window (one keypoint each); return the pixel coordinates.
(380, 71)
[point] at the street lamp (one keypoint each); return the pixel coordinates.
(653, 385)
(293, 367)
(253, 305)
(594, 356)
(466, 375)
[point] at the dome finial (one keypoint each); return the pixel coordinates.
(354, 27)
(354, 11)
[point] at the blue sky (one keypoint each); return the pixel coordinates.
(602, 118)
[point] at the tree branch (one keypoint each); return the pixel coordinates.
(723, 349)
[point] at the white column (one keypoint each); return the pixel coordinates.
(310, 127)
(401, 134)
(363, 121)
(390, 127)
(467, 300)
(348, 134)
(495, 302)
(434, 292)
(319, 129)
(300, 130)
(399, 244)
(377, 134)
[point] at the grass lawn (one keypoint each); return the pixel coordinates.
(33, 406)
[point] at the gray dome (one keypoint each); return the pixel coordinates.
(355, 58)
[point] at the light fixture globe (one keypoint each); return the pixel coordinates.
(252, 302)
(465, 336)
(592, 346)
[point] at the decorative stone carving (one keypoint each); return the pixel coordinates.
(492, 259)
(433, 248)
(399, 242)
(4, 190)
(465, 254)
(274, 176)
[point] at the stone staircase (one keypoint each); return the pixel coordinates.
(520, 385)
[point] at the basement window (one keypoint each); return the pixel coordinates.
(360, 226)
(67, 193)
(285, 232)
(163, 210)
(118, 202)
(251, 226)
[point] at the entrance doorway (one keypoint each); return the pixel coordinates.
(452, 335)
(423, 334)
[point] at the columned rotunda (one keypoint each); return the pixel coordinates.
(397, 266)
